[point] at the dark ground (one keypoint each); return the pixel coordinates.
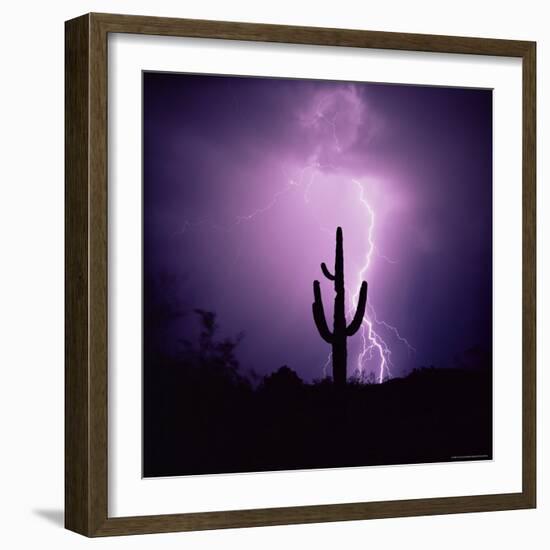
(201, 416)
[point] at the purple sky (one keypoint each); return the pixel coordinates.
(246, 180)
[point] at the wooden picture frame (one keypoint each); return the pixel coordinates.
(86, 364)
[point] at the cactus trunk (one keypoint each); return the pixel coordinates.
(340, 332)
(339, 361)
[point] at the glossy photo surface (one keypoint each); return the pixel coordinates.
(257, 358)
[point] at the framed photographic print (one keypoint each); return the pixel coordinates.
(300, 274)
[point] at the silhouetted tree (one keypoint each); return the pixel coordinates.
(338, 337)
(212, 355)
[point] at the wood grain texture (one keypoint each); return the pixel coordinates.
(86, 232)
(77, 459)
(529, 275)
(309, 35)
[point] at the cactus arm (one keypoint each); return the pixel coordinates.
(326, 272)
(319, 314)
(320, 322)
(360, 312)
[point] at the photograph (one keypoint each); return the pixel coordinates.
(317, 274)
(270, 275)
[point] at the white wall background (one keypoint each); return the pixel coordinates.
(31, 271)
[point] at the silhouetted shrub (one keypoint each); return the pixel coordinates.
(282, 379)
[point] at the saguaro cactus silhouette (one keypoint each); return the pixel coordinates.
(340, 332)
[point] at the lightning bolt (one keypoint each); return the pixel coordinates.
(262, 210)
(374, 347)
(373, 343)
(326, 365)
